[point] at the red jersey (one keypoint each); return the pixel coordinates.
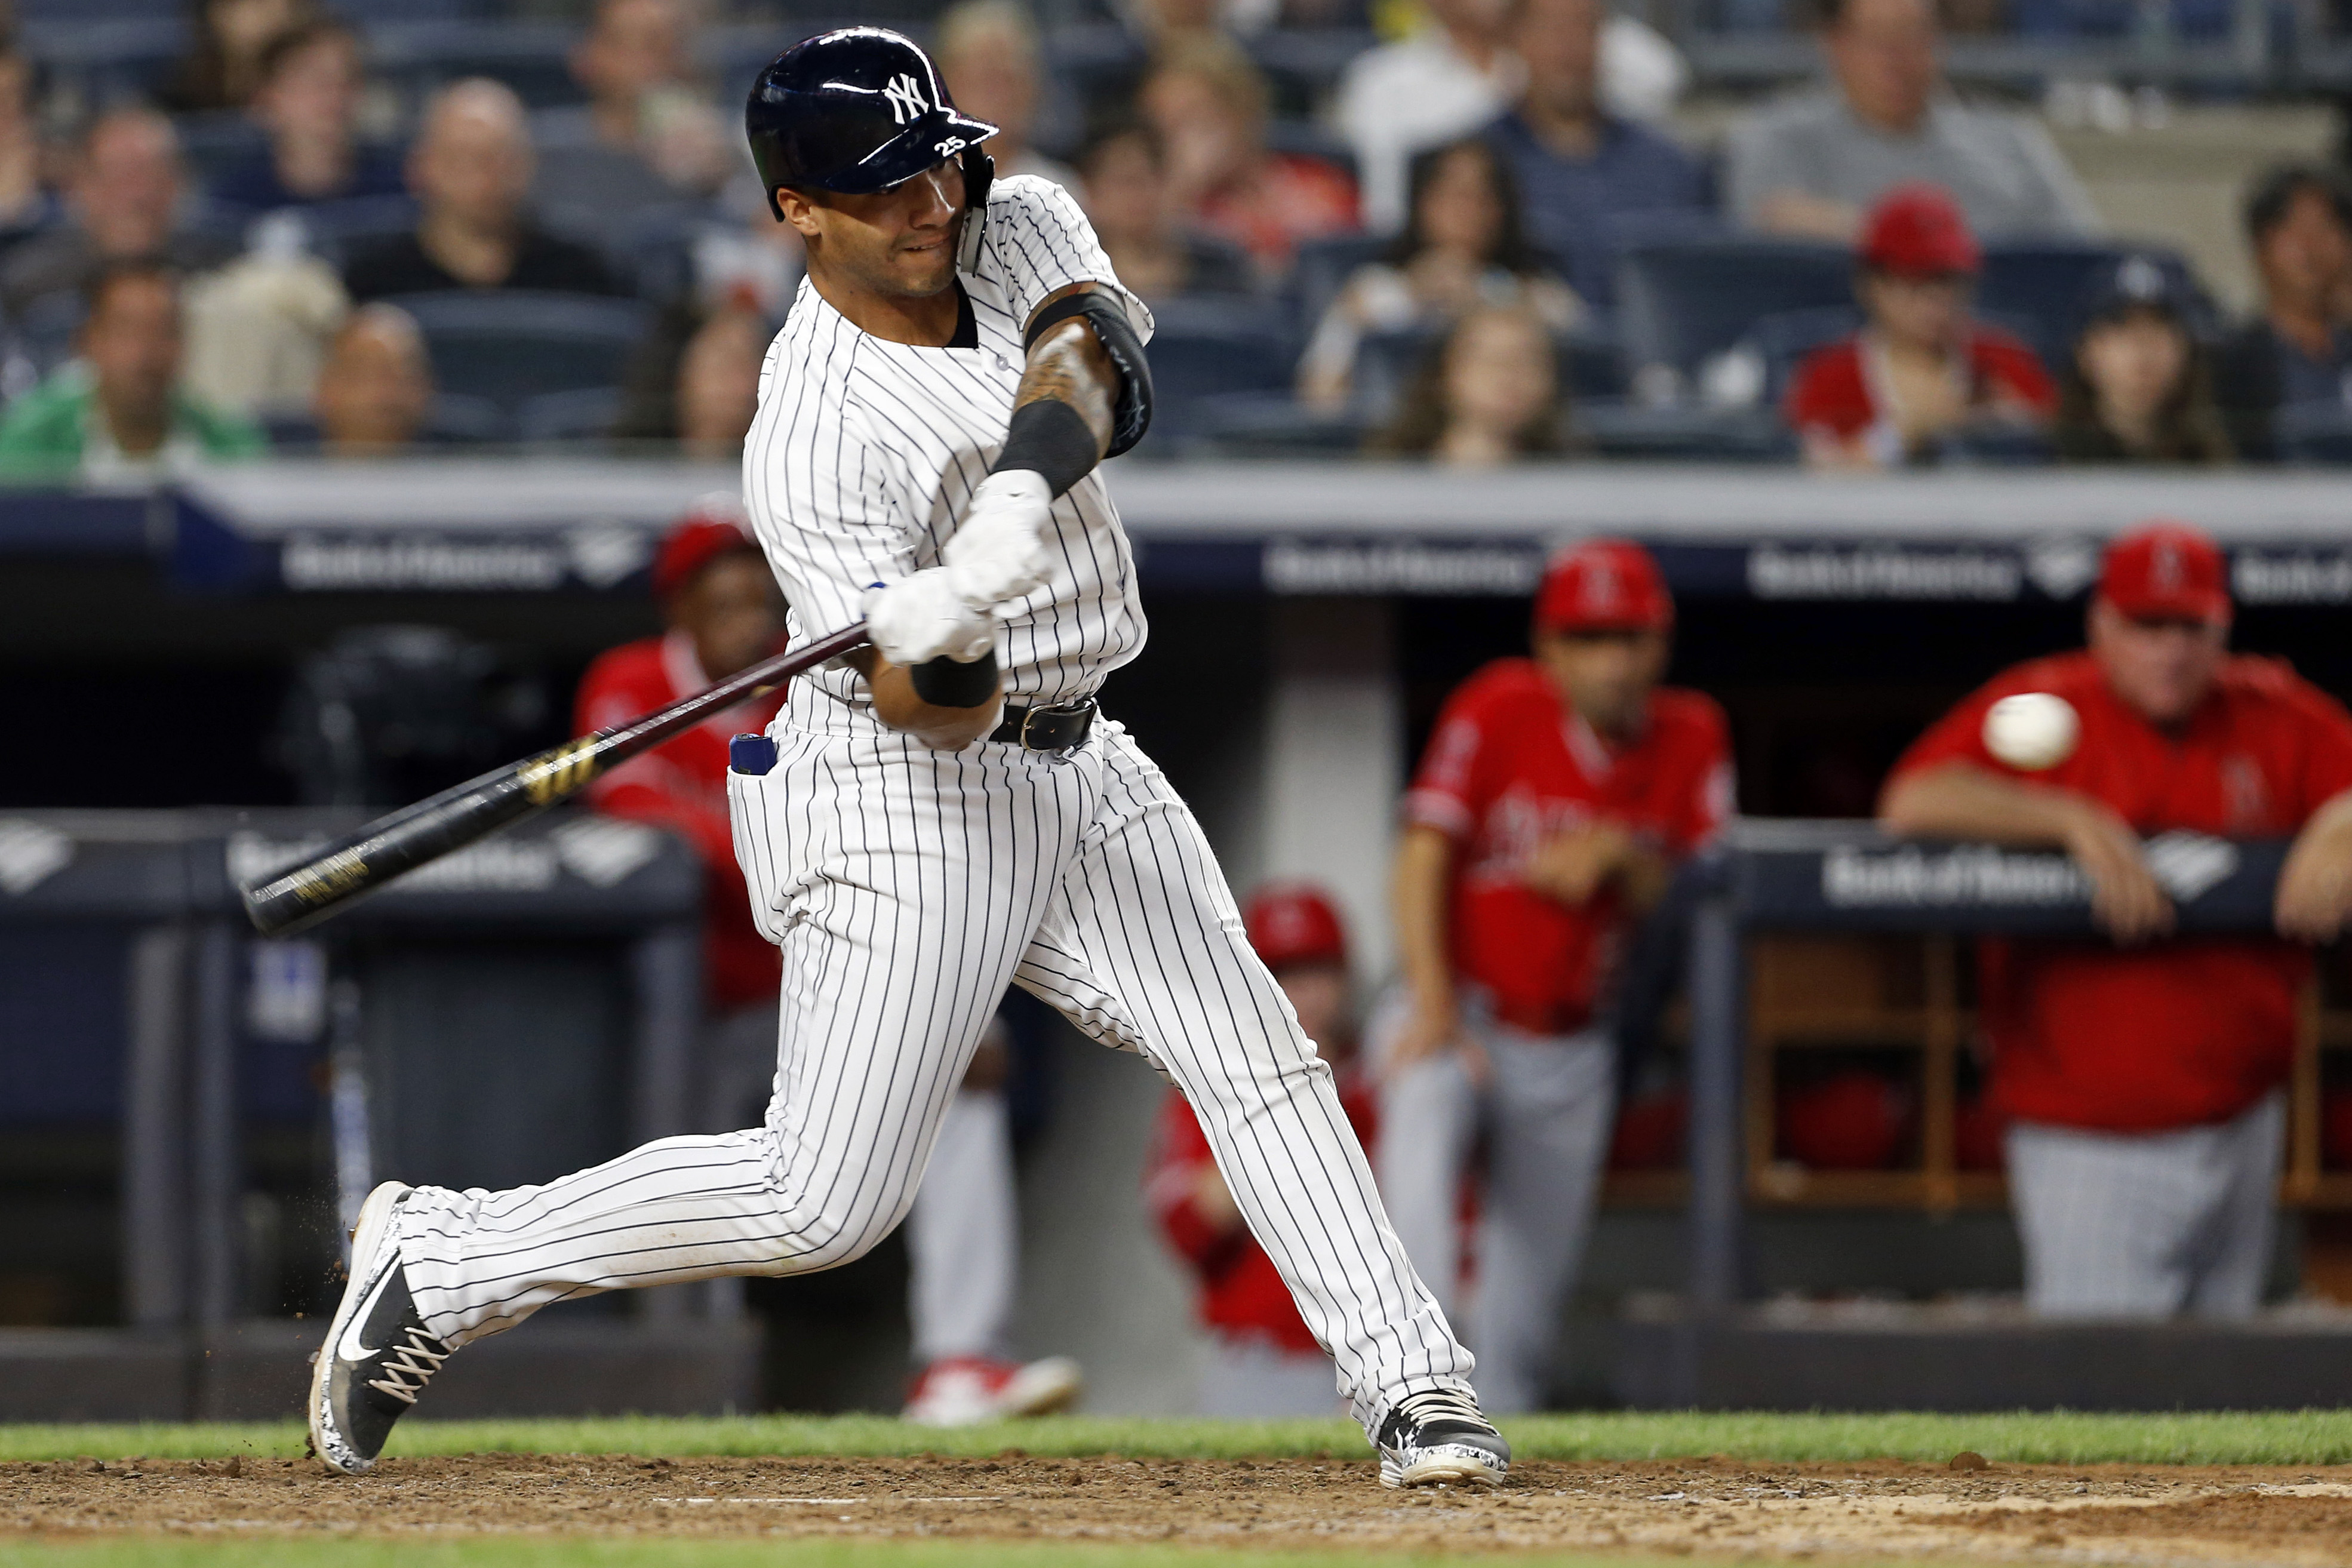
(682, 785)
(1290, 198)
(1839, 389)
(1242, 1293)
(2175, 1034)
(1509, 766)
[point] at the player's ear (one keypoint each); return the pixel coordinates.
(798, 209)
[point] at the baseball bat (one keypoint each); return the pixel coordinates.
(353, 867)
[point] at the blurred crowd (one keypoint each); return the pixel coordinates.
(1479, 241)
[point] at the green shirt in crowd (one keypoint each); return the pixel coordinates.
(57, 431)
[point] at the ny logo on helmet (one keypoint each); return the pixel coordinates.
(906, 96)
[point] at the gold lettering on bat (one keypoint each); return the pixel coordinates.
(553, 774)
(331, 878)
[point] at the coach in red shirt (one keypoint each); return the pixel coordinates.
(2142, 1073)
(1263, 1362)
(1921, 369)
(1555, 798)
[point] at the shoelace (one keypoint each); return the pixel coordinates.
(1442, 1404)
(416, 1359)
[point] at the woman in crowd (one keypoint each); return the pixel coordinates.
(1921, 370)
(1463, 245)
(1488, 394)
(307, 98)
(1124, 177)
(223, 65)
(1209, 105)
(2138, 390)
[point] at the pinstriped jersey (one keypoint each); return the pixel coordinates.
(864, 453)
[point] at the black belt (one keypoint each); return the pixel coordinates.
(1054, 729)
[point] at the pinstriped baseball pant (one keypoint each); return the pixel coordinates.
(906, 887)
(2149, 1225)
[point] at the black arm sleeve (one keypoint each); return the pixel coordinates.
(1131, 414)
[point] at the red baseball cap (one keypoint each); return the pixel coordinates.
(2166, 571)
(1919, 231)
(1293, 922)
(713, 529)
(1603, 586)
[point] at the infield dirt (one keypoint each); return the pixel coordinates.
(2102, 1514)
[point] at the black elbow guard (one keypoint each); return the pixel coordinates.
(1131, 416)
(944, 682)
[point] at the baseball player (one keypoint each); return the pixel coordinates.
(1262, 1360)
(963, 1241)
(946, 813)
(1555, 798)
(2142, 1076)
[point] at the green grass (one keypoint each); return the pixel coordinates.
(2267, 1438)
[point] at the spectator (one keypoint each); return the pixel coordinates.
(1261, 1362)
(124, 201)
(2137, 390)
(1488, 393)
(1814, 164)
(26, 203)
(1580, 167)
(308, 102)
(1463, 245)
(2298, 351)
(469, 169)
(1921, 370)
(1398, 100)
(2142, 1076)
(224, 67)
(118, 412)
(719, 383)
(595, 169)
(988, 56)
(1158, 24)
(1556, 798)
(1124, 178)
(1208, 103)
(376, 386)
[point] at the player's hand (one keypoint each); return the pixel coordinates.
(2315, 888)
(1214, 1201)
(2126, 900)
(1432, 1026)
(999, 555)
(1571, 867)
(919, 618)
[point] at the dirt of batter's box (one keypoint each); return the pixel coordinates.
(2004, 1512)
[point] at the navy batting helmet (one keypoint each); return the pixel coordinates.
(856, 110)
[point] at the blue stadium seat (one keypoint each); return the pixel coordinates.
(1206, 346)
(1685, 435)
(2038, 288)
(212, 143)
(335, 231)
(1321, 268)
(2316, 433)
(1781, 340)
(506, 345)
(1681, 303)
(532, 58)
(584, 414)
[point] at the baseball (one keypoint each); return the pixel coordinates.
(2033, 730)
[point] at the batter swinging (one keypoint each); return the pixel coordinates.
(950, 815)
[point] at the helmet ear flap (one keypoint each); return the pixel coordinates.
(978, 173)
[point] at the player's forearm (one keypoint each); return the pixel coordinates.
(1425, 861)
(1960, 800)
(2328, 832)
(898, 705)
(1070, 366)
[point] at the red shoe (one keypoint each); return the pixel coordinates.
(963, 1391)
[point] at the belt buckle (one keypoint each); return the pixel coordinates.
(1028, 717)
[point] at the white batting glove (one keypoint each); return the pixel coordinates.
(998, 553)
(919, 619)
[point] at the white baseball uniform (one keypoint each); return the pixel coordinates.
(907, 886)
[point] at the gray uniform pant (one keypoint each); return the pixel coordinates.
(1545, 1115)
(2148, 1225)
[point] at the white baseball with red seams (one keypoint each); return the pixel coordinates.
(907, 887)
(2034, 731)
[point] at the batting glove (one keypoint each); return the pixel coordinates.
(919, 619)
(998, 553)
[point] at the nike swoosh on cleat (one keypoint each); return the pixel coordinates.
(349, 1348)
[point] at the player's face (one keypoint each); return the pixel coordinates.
(901, 242)
(1607, 677)
(2162, 667)
(1319, 995)
(729, 609)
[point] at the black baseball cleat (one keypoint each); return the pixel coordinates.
(377, 1357)
(1439, 1439)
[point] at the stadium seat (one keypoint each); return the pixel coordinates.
(1679, 304)
(1204, 346)
(214, 142)
(585, 414)
(2315, 433)
(1320, 269)
(532, 58)
(335, 231)
(2038, 288)
(506, 346)
(1685, 434)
